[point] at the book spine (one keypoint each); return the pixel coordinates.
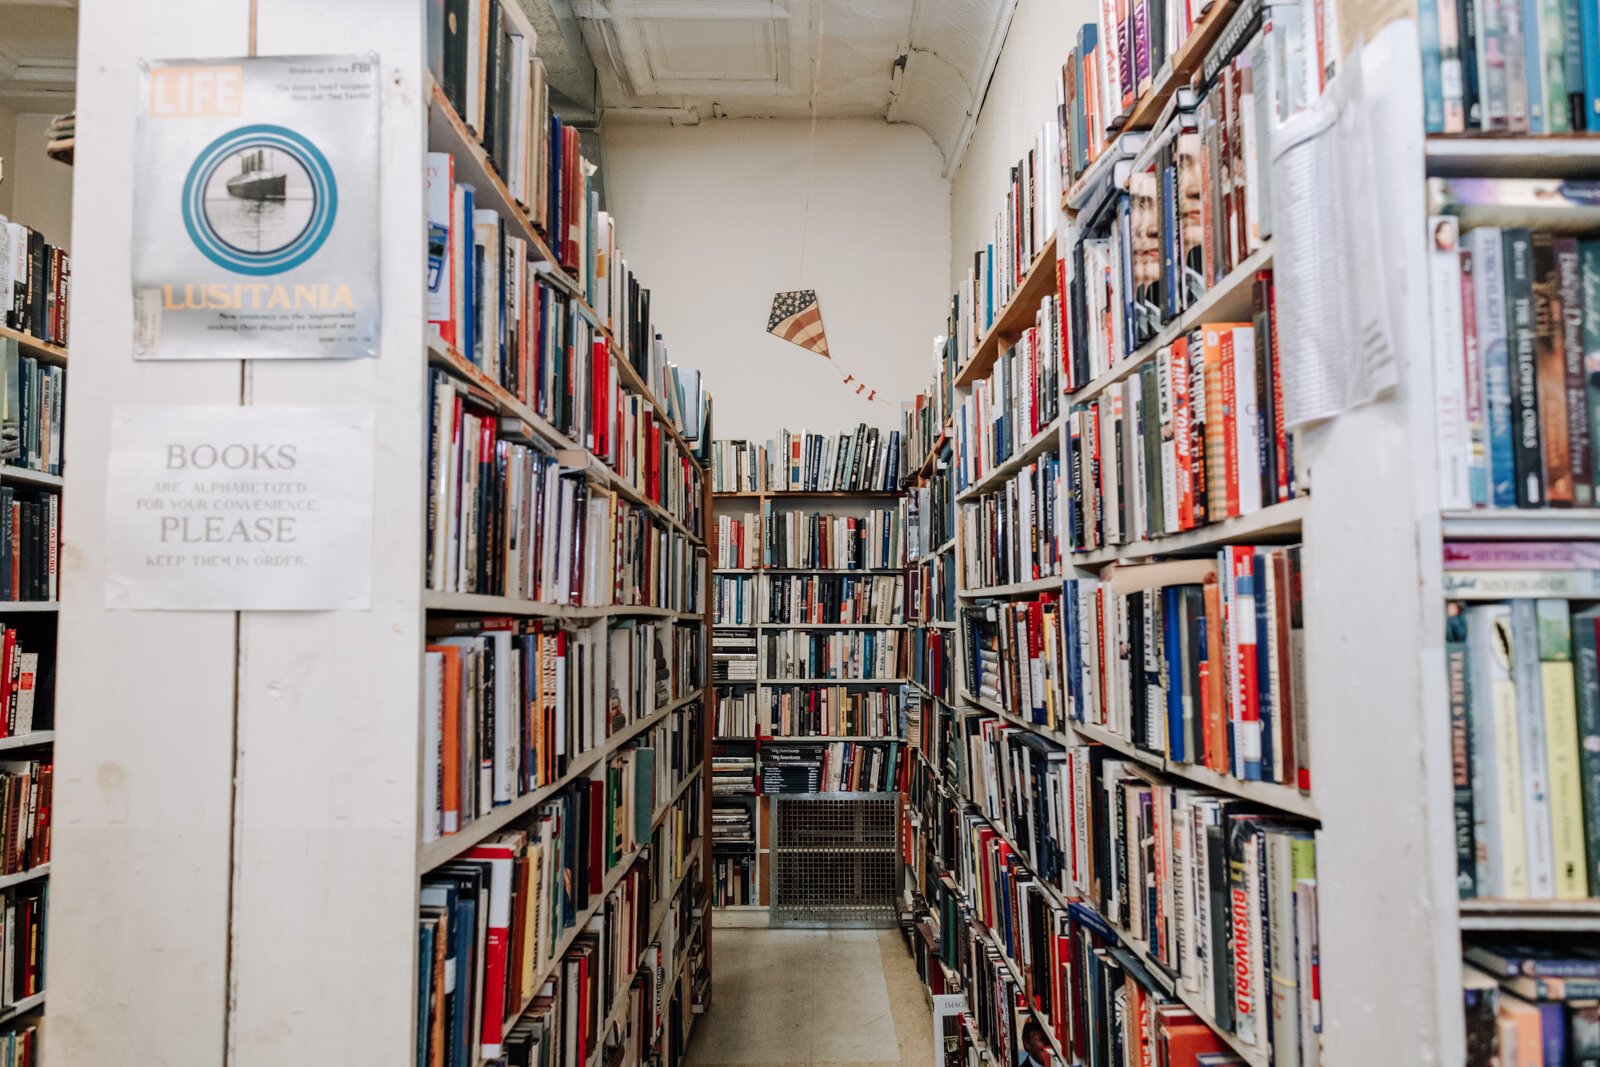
(1531, 744)
(1586, 653)
(1461, 762)
(1450, 415)
(1489, 316)
(1527, 436)
(1551, 373)
(1570, 325)
(1559, 697)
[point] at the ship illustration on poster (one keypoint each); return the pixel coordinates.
(257, 179)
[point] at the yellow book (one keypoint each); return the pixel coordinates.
(1561, 749)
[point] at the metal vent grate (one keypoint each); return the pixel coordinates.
(835, 860)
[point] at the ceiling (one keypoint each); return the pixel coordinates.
(925, 62)
(38, 54)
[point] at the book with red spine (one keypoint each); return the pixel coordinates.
(499, 855)
(1230, 422)
(1241, 625)
(1180, 431)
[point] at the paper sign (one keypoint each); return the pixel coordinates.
(256, 209)
(240, 508)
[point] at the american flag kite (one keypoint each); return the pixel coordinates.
(797, 318)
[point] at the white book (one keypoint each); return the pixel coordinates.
(1247, 409)
(441, 178)
(1449, 363)
(1526, 677)
(507, 712)
(7, 269)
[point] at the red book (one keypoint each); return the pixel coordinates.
(7, 659)
(1246, 687)
(496, 1005)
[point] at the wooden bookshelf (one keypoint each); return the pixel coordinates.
(1017, 316)
(43, 351)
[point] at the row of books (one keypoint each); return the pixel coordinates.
(736, 714)
(933, 661)
(1531, 999)
(931, 513)
(1118, 62)
(826, 541)
(1024, 642)
(30, 544)
(933, 589)
(1195, 437)
(19, 1047)
(490, 299)
(733, 656)
(733, 599)
(1022, 228)
(875, 600)
(835, 767)
(1012, 533)
(1514, 313)
(679, 744)
(33, 401)
(865, 460)
(832, 654)
(923, 418)
(35, 283)
(739, 541)
(26, 788)
(511, 703)
(733, 882)
(1019, 400)
(820, 711)
(1199, 661)
(508, 519)
(1509, 66)
(1524, 705)
(27, 683)
(24, 910)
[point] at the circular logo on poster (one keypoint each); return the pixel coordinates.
(259, 200)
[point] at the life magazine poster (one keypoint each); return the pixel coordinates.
(255, 230)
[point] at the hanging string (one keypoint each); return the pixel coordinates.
(811, 146)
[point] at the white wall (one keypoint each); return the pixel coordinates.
(1021, 98)
(710, 218)
(41, 187)
(8, 136)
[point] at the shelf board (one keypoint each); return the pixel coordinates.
(831, 681)
(1039, 444)
(9, 880)
(1521, 524)
(794, 739)
(483, 604)
(1272, 522)
(43, 351)
(24, 476)
(1574, 916)
(12, 606)
(1513, 155)
(1016, 316)
(447, 847)
(832, 625)
(33, 737)
(22, 1007)
(1038, 585)
(1230, 300)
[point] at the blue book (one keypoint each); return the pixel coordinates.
(1553, 1032)
(1074, 650)
(1589, 32)
(1489, 301)
(467, 330)
(1258, 581)
(424, 990)
(988, 287)
(1172, 644)
(1533, 63)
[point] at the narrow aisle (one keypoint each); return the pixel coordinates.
(814, 997)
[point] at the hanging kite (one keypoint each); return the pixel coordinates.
(797, 318)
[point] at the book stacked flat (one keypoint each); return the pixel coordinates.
(1534, 998)
(733, 656)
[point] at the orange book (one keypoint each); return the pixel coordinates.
(450, 739)
(1213, 674)
(1521, 1020)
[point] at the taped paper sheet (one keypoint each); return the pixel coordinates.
(1334, 327)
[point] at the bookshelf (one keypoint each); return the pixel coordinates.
(1470, 905)
(755, 629)
(34, 278)
(278, 859)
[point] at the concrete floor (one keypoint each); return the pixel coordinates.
(781, 998)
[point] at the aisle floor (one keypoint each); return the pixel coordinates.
(816, 997)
